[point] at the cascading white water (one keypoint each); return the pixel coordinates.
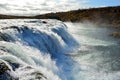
(98, 57)
(46, 50)
(35, 50)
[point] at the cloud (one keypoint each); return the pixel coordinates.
(33, 7)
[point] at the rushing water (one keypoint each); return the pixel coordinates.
(99, 54)
(50, 50)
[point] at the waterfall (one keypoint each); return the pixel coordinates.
(35, 50)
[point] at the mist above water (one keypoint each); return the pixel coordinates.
(36, 50)
(99, 54)
(53, 50)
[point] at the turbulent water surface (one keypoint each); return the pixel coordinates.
(51, 50)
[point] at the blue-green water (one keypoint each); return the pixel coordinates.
(34, 49)
(98, 56)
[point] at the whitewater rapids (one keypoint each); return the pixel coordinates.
(35, 50)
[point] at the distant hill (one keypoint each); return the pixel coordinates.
(105, 16)
(3, 16)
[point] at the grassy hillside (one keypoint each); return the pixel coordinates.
(2, 16)
(107, 16)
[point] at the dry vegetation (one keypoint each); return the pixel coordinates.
(2, 16)
(105, 16)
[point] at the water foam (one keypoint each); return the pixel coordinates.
(36, 50)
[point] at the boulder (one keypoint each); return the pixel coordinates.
(3, 67)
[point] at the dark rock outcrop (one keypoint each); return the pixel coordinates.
(3, 68)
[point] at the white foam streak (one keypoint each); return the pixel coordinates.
(36, 49)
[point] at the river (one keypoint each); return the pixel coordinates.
(34, 49)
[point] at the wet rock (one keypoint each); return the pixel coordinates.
(3, 37)
(31, 71)
(38, 75)
(44, 22)
(2, 48)
(5, 72)
(116, 34)
(3, 68)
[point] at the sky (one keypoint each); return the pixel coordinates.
(35, 7)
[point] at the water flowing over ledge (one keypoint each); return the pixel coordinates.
(35, 50)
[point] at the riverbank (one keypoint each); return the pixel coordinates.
(104, 17)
